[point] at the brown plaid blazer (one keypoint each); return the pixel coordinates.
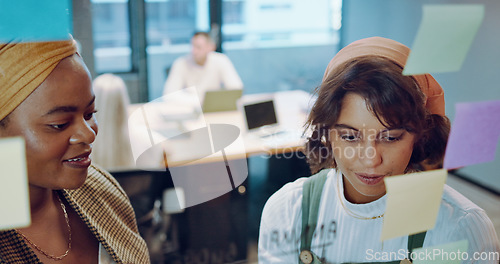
(103, 205)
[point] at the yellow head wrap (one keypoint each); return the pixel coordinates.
(398, 53)
(24, 66)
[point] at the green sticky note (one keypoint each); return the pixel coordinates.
(14, 196)
(35, 20)
(450, 253)
(444, 38)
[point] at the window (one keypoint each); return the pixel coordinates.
(268, 23)
(111, 32)
(246, 22)
(171, 22)
(232, 11)
(281, 41)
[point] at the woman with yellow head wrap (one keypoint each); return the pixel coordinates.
(369, 122)
(79, 214)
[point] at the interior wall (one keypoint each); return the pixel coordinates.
(476, 81)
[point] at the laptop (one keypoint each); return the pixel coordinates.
(262, 120)
(259, 115)
(221, 100)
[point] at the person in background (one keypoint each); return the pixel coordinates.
(112, 149)
(79, 213)
(369, 122)
(203, 68)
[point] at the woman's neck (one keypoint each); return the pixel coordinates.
(40, 200)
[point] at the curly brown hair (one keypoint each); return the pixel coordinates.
(396, 101)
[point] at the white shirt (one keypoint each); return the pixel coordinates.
(104, 257)
(342, 238)
(217, 72)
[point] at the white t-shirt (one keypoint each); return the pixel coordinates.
(217, 72)
(339, 237)
(104, 257)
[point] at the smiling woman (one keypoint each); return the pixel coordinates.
(369, 122)
(79, 213)
(57, 122)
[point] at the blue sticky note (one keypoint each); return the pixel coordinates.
(444, 38)
(474, 134)
(35, 20)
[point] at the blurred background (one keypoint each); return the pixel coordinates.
(275, 45)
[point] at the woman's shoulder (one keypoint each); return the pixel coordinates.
(100, 178)
(287, 201)
(105, 207)
(102, 192)
(287, 195)
(457, 203)
(458, 211)
(459, 218)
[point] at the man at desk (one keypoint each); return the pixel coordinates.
(203, 68)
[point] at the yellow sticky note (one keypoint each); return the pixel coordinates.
(450, 253)
(412, 202)
(444, 38)
(14, 196)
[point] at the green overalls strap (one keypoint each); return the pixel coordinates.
(311, 197)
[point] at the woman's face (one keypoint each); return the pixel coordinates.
(57, 122)
(366, 151)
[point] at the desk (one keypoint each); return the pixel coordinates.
(176, 125)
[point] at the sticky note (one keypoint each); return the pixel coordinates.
(474, 134)
(35, 20)
(14, 198)
(412, 202)
(444, 37)
(450, 253)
